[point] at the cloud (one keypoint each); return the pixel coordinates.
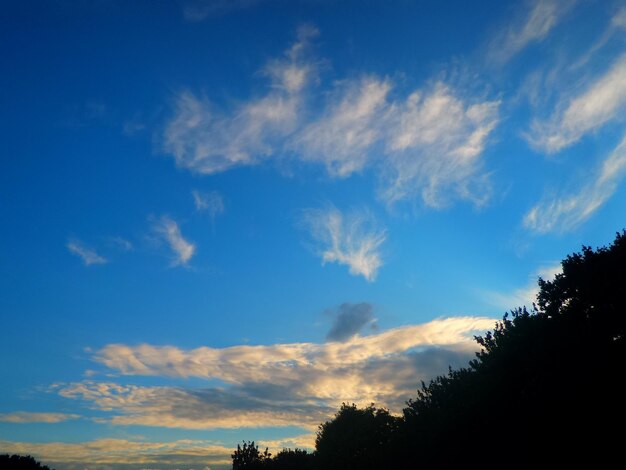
(541, 18)
(125, 454)
(293, 384)
(88, 255)
(526, 295)
(349, 320)
(170, 231)
(603, 101)
(434, 147)
(211, 202)
(28, 417)
(425, 145)
(353, 239)
(342, 136)
(563, 213)
(204, 139)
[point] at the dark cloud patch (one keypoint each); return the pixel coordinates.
(349, 319)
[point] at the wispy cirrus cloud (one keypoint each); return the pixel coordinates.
(341, 138)
(207, 140)
(353, 239)
(541, 16)
(602, 101)
(86, 254)
(435, 142)
(565, 212)
(32, 417)
(427, 145)
(169, 230)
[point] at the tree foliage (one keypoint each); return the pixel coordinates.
(248, 457)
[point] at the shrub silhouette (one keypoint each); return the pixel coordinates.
(545, 389)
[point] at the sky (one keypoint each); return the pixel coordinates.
(222, 219)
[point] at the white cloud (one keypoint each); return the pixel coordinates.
(342, 137)
(427, 145)
(353, 239)
(88, 255)
(541, 18)
(603, 101)
(211, 202)
(127, 454)
(563, 213)
(29, 417)
(203, 139)
(170, 231)
(296, 384)
(434, 147)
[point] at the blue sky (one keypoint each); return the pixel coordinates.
(222, 219)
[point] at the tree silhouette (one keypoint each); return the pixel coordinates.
(355, 438)
(288, 459)
(20, 462)
(248, 457)
(546, 385)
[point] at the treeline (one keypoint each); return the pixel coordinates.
(545, 390)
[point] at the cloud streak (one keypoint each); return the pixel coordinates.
(87, 255)
(169, 230)
(29, 417)
(603, 101)
(540, 20)
(127, 454)
(566, 212)
(353, 240)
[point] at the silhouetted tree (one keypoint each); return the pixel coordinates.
(248, 457)
(546, 386)
(355, 438)
(20, 462)
(288, 459)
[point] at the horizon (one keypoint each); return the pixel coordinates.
(223, 219)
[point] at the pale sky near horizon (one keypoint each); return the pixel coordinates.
(222, 219)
